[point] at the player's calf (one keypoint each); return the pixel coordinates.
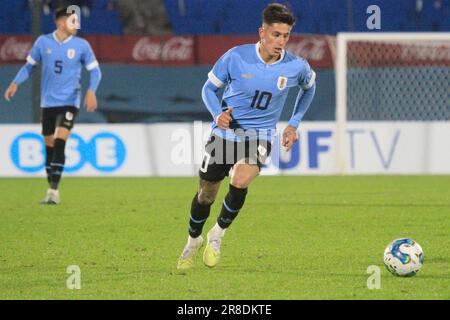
(48, 161)
(57, 164)
(232, 204)
(199, 214)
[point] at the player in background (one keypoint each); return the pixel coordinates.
(61, 55)
(256, 78)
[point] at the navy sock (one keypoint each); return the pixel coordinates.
(57, 164)
(233, 203)
(48, 160)
(199, 215)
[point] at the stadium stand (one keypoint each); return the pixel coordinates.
(231, 16)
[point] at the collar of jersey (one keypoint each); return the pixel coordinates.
(65, 41)
(283, 52)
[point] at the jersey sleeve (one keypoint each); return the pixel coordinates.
(307, 76)
(88, 59)
(34, 57)
(219, 74)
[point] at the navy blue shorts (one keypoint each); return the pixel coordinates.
(57, 117)
(221, 155)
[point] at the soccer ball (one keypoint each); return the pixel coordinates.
(403, 257)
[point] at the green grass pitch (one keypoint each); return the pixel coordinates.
(296, 238)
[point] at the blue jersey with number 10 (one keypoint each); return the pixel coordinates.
(255, 90)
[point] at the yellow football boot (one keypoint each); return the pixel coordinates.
(187, 258)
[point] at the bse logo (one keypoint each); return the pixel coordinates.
(105, 152)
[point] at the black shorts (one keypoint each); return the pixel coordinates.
(221, 155)
(57, 117)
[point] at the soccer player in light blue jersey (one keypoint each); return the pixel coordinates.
(256, 78)
(61, 55)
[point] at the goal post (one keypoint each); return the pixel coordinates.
(390, 77)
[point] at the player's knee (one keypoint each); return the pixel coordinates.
(206, 197)
(242, 178)
(62, 133)
(49, 141)
(241, 182)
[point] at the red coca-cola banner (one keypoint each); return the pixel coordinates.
(13, 49)
(167, 50)
(174, 50)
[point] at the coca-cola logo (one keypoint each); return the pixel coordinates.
(312, 49)
(12, 49)
(174, 49)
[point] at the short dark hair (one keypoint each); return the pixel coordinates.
(278, 13)
(62, 12)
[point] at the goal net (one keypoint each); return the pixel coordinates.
(391, 77)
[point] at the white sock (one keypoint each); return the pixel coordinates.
(217, 231)
(193, 242)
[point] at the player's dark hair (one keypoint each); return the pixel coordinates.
(278, 13)
(62, 12)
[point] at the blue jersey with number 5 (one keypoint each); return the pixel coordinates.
(255, 90)
(61, 68)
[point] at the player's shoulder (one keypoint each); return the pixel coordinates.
(294, 59)
(297, 63)
(241, 51)
(245, 48)
(44, 38)
(80, 41)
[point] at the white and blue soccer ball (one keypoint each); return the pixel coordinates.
(403, 257)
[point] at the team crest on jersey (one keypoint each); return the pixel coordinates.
(71, 53)
(282, 82)
(49, 51)
(69, 116)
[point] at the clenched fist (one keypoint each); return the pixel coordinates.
(223, 120)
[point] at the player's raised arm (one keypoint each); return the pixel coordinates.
(25, 72)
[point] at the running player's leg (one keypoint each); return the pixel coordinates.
(200, 210)
(245, 170)
(211, 174)
(201, 205)
(243, 174)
